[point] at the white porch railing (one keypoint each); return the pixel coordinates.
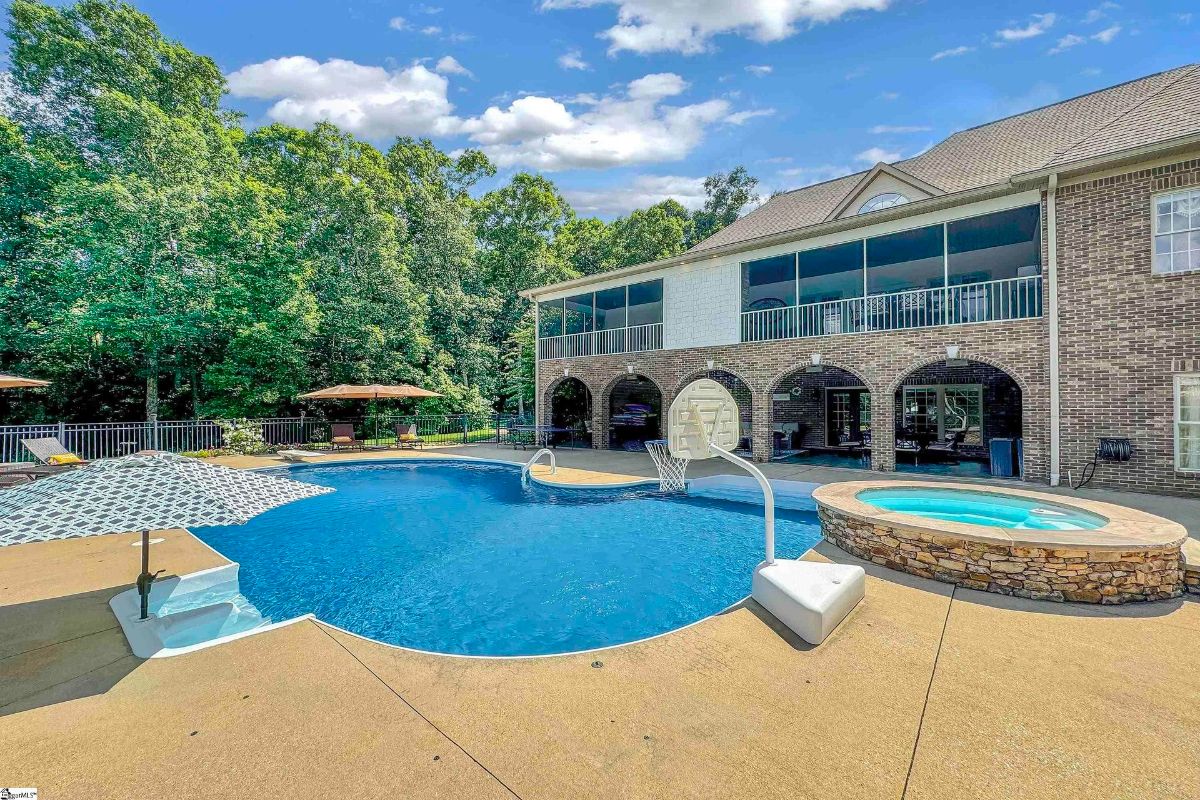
(992, 301)
(635, 339)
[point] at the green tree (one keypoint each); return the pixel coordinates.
(650, 234)
(726, 195)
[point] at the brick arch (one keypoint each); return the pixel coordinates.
(696, 373)
(548, 392)
(778, 377)
(605, 393)
(991, 361)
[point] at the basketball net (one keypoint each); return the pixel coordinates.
(671, 470)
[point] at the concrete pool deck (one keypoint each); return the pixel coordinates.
(926, 691)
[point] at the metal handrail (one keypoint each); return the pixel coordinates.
(529, 464)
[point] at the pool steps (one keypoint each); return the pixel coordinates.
(191, 612)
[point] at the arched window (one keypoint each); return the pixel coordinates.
(882, 201)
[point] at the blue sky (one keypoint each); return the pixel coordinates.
(623, 102)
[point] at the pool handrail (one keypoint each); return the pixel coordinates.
(529, 464)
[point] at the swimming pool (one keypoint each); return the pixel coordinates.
(983, 508)
(459, 557)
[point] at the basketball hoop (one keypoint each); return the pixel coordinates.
(671, 470)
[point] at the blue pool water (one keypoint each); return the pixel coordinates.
(459, 557)
(983, 508)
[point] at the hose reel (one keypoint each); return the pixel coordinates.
(1108, 449)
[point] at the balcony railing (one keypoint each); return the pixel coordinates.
(993, 301)
(597, 343)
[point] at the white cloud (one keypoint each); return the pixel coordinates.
(1066, 43)
(630, 127)
(760, 70)
(431, 30)
(1038, 24)
(742, 117)
(1107, 35)
(449, 65)
(421, 8)
(1099, 12)
(398, 23)
(961, 50)
(806, 176)
(873, 155)
(880, 129)
(573, 59)
(641, 192)
(368, 101)
(652, 26)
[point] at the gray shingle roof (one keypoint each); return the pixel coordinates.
(1152, 109)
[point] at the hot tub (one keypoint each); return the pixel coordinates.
(1008, 541)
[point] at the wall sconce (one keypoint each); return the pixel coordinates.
(951, 352)
(816, 363)
(710, 363)
(629, 368)
(566, 372)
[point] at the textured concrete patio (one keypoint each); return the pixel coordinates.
(924, 692)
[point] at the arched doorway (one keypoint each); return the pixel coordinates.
(961, 418)
(571, 414)
(634, 413)
(741, 394)
(821, 415)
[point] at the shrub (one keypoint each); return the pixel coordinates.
(243, 437)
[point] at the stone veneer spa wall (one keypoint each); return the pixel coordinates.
(1136, 557)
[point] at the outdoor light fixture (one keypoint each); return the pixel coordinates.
(629, 368)
(566, 372)
(816, 363)
(710, 363)
(952, 359)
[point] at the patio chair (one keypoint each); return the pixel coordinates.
(50, 450)
(341, 437)
(406, 436)
(909, 446)
(947, 447)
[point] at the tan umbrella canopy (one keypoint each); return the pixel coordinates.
(373, 391)
(17, 382)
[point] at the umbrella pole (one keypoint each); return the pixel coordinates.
(145, 580)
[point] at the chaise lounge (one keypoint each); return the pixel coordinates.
(341, 437)
(407, 437)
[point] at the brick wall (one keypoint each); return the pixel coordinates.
(881, 360)
(1122, 328)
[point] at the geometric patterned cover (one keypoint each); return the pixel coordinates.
(140, 492)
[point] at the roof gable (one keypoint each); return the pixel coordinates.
(880, 179)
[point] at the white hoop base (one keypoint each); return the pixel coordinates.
(671, 470)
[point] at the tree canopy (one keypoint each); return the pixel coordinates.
(157, 258)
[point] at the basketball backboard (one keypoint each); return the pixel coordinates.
(703, 412)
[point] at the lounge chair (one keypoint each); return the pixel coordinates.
(406, 435)
(50, 450)
(341, 437)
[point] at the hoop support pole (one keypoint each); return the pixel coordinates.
(768, 497)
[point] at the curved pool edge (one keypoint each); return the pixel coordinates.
(1136, 556)
(438, 459)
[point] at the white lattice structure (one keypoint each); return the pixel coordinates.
(141, 492)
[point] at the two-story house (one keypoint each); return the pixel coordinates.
(995, 305)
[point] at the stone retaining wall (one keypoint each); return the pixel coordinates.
(1078, 575)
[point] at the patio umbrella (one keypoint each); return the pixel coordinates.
(145, 492)
(17, 382)
(372, 391)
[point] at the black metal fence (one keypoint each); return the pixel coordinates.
(93, 440)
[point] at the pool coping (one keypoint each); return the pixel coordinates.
(1126, 529)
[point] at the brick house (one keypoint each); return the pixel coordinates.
(995, 305)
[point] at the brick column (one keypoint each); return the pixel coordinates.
(883, 431)
(760, 425)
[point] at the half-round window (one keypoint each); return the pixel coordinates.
(882, 201)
